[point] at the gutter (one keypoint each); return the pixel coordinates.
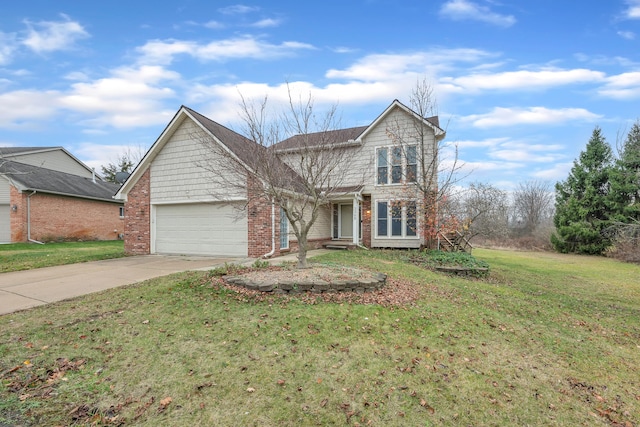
(273, 232)
(29, 239)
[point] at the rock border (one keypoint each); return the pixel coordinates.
(317, 287)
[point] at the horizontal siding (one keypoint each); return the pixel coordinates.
(185, 170)
(321, 229)
(4, 191)
(56, 160)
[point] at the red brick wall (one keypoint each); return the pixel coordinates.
(366, 221)
(137, 212)
(259, 227)
(56, 217)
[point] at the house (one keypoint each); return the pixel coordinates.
(174, 205)
(47, 194)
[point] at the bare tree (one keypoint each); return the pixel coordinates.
(485, 211)
(297, 161)
(434, 176)
(533, 205)
(126, 162)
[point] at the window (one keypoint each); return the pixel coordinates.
(396, 219)
(412, 163)
(411, 223)
(397, 164)
(284, 230)
(121, 211)
(382, 218)
(383, 166)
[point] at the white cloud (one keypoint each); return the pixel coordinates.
(622, 86)
(22, 108)
(382, 67)
(461, 10)
(266, 23)
(629, 35)
(522, 79)
(238, 9)
(214, 25)
(48, 36)
(8, 45)
(500, 116)
(131, 97)
(556, 172)
(633, 11)
(163, 51)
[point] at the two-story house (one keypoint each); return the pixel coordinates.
(173, 205)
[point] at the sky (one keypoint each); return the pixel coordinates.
(520, 85)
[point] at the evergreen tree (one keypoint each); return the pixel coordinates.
(624, 196)
(582, 208)
(125, 164)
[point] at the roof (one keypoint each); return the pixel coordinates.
(30, 178)
(320, 138)
(9, 152)
(13, 151)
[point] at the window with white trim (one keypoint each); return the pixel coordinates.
(396, 219)
(396, 165)
(284, 230)
(121, 211)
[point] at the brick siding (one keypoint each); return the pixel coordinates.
(55, 218)
(137, 212)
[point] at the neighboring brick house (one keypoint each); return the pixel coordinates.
(172, 204)
(46, 194)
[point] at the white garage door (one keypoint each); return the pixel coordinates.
(5, 224)
(200, 229)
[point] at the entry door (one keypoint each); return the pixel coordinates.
(346, 221)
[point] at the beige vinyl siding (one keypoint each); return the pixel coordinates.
(56, 160)
(178, 172)
(321, 229)
(5, 212)
(5, 190)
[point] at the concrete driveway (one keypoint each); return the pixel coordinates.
(25, 289)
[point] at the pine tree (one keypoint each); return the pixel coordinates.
(125, 164)
(582, 205)
(624, 196)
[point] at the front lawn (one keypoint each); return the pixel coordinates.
(547, 339)
(26, 256)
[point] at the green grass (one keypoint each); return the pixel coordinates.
(547, 340)
(26, 256)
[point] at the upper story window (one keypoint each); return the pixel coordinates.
(396, 165)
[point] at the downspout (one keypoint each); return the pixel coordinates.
(273, 232)
(29, 239)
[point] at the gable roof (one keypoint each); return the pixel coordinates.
(33, 178)
(243, 148)
(431, 122)
(9, 153)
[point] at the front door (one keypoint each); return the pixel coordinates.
(346, 221)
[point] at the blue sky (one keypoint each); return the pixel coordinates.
(520, 84)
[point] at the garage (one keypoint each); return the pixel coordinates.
(5, 223)
(200, 229)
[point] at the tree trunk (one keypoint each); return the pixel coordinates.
(302, 252)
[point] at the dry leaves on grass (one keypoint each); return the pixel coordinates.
(395, 293)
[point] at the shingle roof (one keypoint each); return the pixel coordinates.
(251, 153)
(317, 138)
(9, 151)
(49, 181)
